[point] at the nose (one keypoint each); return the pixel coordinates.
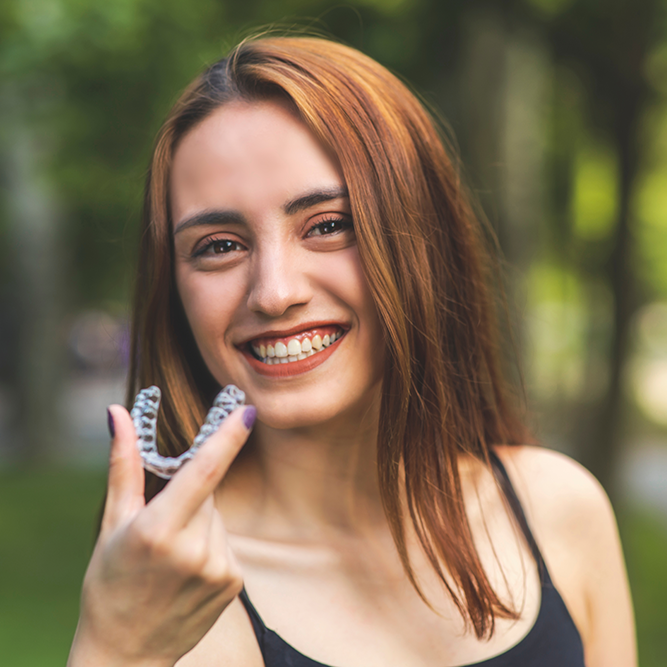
(278, 281)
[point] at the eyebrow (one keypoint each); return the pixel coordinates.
(218, 217)
(214, 217)
(313, 198)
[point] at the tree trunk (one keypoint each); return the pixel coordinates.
(36, 292)
(602, 450)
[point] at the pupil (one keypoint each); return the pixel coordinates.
(221, 246)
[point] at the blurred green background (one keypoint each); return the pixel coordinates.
(559, 111)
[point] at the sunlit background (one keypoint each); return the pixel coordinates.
(559, 111)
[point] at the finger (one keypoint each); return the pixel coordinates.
(221, 566)
(200, 522)
(125, 493)
(206, 529)
(197, 480)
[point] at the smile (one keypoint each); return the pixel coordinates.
(296, 347)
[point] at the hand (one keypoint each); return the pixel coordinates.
(161, 573)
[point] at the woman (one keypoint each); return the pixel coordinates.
(307, 239)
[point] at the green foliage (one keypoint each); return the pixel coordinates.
(551, 8)
(594, 200)
(556, 327)
(651, 206)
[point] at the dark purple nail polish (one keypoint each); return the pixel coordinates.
(249, 415)
(112, 430)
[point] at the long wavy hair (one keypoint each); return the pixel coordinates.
(424, 254)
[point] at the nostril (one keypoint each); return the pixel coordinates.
(278, 285)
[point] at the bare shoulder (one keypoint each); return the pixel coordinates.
(556, 488)
(567, 510)
(553, 467)
(574, 525)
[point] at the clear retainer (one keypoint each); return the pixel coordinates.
(144, 415)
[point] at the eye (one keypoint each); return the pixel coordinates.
(329, 226)
(217, 246)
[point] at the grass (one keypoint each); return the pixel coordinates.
(46, 536)
(644, 537)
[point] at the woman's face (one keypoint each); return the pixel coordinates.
(267, 266)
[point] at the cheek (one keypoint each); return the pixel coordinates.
(209, 304)
(346, 278)
(351, 281)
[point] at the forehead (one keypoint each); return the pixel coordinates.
(248, 156)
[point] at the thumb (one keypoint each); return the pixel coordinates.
(125, 492)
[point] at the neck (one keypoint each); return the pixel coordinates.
(308, 481)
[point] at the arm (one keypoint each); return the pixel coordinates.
(574, 524)
(610, 637)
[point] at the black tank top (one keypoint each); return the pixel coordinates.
(553, 641)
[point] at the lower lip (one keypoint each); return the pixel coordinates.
(291, 367)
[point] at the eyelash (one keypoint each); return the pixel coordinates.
(212, 242)
(321, 225)
(344, 222)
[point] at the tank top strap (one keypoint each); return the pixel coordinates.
(503, 479)
(256, 620)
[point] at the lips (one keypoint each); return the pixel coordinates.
(283, 354)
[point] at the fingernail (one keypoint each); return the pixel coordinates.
(249, 415)
(112, 430)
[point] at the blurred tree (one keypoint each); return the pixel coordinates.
(607, 45)
(33, 301)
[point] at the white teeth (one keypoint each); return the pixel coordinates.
(293, 347)
(294, 350)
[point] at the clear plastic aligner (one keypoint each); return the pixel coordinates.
(144, 415)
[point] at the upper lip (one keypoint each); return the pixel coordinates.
(298, 328)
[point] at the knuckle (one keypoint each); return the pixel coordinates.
(223, 576)
(215, 459)
(235, 585)
(211, 469)
(150, 538)
(191, 560)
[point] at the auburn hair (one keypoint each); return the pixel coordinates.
(423, 252)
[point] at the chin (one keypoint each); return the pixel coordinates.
(316, 408)
(295, 411)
